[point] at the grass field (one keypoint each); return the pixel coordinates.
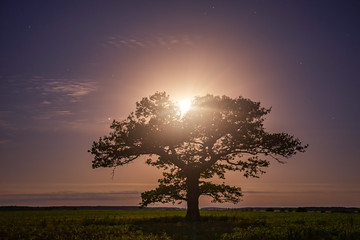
(161, 224)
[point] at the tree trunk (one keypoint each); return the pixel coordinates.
(193, 193)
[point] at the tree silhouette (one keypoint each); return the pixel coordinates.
(216, 135)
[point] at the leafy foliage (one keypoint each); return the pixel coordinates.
(216, 135)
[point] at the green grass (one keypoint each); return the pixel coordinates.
(153, 224)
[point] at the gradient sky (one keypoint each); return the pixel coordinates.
(68, 68)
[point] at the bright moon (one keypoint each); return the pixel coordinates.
(184, 105)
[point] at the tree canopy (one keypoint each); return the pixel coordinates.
(218, 134)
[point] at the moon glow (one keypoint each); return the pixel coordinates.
(184, 105)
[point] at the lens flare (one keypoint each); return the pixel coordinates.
(184, 105)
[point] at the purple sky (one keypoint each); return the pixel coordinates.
(67, 68)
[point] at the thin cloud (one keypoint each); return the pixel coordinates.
(45, 102)
(52, 188)
(58, 95)
(6, 122)
(301, 192)
(6, 127)
(67, 197)
(49, 89)
(32, 100)
(52, 114)
(71, 88)
(166, 41)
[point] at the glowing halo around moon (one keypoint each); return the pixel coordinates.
(184, 105)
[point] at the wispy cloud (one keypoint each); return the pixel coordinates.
(59, 94)
(5, 120)
(28, 101)
(69, 89)
(70, 198)
(47, 188)
(357, 191)
(300, 188)
(52, 114)
(46, 89)
(166, 41)
(6, 127)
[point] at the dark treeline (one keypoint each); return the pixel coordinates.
(290, 209)
(247, 209)
(27, 208)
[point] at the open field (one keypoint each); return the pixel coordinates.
(161, 224)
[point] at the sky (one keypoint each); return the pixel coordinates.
(69, 68)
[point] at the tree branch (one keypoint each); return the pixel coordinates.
(173, 157)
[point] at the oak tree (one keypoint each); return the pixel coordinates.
(218, 134)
